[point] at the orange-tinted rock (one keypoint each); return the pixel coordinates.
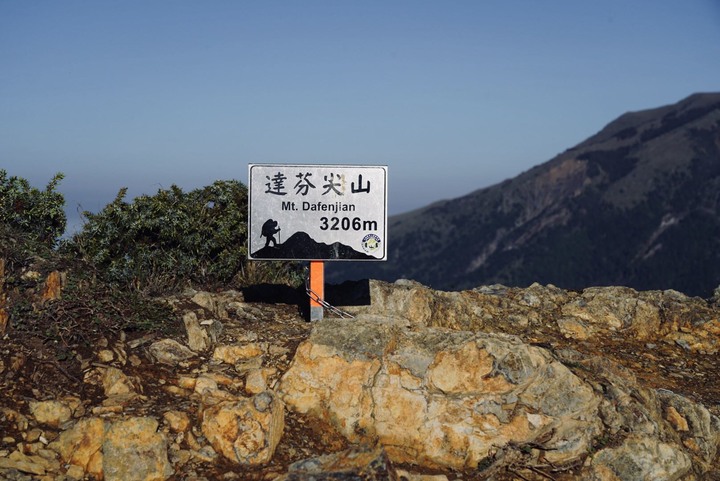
(245, 431)
(439, 398)
(53, 287)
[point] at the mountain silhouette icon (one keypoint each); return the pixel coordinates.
(301, 246)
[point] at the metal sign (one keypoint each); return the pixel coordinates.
(317, 212)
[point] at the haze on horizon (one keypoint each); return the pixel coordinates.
(451, 96)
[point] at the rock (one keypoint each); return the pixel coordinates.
(547, 297)
(232, 354)
(207, 387)
(30, 275)
(75, 472)
(612, 308)
(214, 329)
(115, 382)
(245, 365)
(133, 450)
(245, 431)
(53, 287)
(198, 338)
(33, 435)
(649, 315)
(574, 328)
(37, 465)
(716, 295)
(439, 398)
(205, 300)
(641, 459)
(50, 413)
(105, 356)
(466, 310)
(81, 445)
(4, 315)
(408, 476)
(678, 422)
(178, 421)
(257, 380)
(179, 457)
(19, 420)
(211, 303)
(356, 464)
(206, 454)
(170, 352)
(698, 429)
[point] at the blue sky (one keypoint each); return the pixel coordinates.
(451, 95)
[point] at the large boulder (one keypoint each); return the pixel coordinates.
(443, 398)
(440, 398)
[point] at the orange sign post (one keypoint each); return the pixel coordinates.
(317, 289)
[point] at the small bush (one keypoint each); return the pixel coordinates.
(31, 222)
(37, 213)
(160, 243)
(19, 249)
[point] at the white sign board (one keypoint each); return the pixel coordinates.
(317, 212)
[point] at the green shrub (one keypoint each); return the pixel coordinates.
(37, 213)
(158, 244)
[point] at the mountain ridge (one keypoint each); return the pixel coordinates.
(635, 204)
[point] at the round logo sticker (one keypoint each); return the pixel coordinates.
(370, 243)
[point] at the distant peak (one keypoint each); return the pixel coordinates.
(629, 124)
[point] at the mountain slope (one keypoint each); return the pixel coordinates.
(637, 204)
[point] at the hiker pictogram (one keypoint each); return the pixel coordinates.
(269, 229)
